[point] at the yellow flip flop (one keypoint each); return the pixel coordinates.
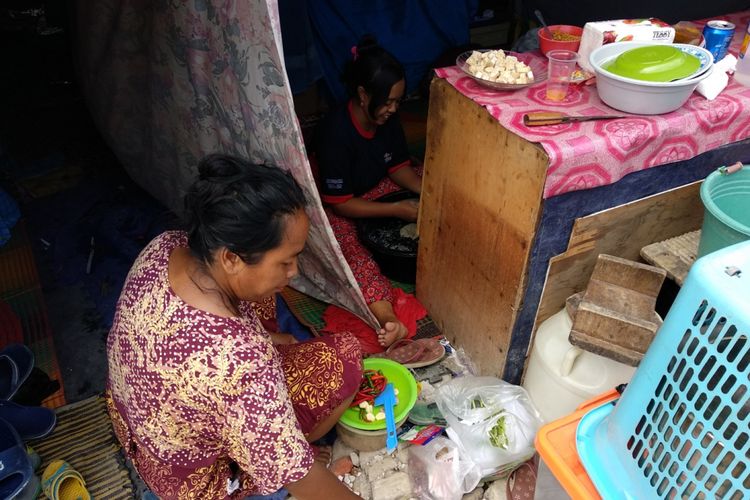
(60, 481)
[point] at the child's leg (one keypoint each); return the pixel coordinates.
(375, 287)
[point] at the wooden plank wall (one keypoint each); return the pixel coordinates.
(621, 231)
(480, 205)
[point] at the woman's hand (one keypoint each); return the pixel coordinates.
(406, 209)
(283, 339)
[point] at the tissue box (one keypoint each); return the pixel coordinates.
(596, 34)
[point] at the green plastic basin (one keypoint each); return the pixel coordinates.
(654, 63)
(401, 379)
(727, 216)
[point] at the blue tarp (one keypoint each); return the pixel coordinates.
(300, 57)
(9, 215)
(416, 32)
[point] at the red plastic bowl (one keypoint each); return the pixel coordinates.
(546, 43)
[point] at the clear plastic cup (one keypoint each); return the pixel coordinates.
(561, 65)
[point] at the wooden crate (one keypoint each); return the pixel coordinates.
(616, 317)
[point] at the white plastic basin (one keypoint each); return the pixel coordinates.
(637, 96)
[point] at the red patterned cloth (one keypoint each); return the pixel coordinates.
(191, 393)
(597, 153)
(407, 308)
(372, 283)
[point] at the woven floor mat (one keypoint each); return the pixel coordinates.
(84, 438)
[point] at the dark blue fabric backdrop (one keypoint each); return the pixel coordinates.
(300, 56)
(416, 32)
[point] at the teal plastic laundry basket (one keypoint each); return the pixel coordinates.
(681, 428)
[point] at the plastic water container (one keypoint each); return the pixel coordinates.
(727, 216)
(682, 429)
(560, 376)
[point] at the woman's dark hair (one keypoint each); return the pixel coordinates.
(373, 68)
(239, 205)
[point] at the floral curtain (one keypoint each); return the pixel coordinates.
(170, 81)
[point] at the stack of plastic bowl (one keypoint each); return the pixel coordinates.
(641, 96)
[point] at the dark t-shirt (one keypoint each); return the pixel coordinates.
(353, 161)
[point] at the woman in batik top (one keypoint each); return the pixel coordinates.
(206, 403)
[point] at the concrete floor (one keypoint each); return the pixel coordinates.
(80, 341)
(547, 486)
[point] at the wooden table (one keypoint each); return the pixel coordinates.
(489, 238)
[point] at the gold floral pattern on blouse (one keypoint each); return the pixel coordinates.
(191, 392)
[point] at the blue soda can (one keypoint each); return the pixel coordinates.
(718, 34)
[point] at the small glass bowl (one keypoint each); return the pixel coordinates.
(538, 68)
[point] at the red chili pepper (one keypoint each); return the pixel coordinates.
(372, 384)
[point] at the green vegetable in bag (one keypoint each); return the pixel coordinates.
(498, 437)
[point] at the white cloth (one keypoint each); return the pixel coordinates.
(714, 83)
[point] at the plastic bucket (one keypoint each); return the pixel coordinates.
(560, 376)
(726, 198)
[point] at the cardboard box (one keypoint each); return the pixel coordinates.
(596, 34)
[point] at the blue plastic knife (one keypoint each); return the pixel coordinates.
(387, 398)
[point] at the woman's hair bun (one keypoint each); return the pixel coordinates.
(368, 43)
(239, 205)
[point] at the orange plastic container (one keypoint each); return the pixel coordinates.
(556, 444)
(547, 43)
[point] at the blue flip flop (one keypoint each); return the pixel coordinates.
(30, 422)
(16, 362)
(32, 490)
(16, 471)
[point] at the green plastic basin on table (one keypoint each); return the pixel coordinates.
(654, 63)
(401, 379)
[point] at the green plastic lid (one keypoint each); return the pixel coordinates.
(654, 63)
(402, 380)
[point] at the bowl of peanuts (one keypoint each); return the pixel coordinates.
(502, 69)
(559, 37)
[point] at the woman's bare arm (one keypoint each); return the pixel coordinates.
(359, 208)
(320, 484)
(407, 179)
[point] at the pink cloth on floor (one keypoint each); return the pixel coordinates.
(406, 306)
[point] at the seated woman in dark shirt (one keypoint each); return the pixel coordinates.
(362, 154)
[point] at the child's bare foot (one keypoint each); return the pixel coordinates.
(391, 332)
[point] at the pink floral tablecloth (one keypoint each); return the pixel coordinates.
(590, 154)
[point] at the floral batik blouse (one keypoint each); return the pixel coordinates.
(199, 402)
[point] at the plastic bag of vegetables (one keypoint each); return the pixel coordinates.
(493, 422)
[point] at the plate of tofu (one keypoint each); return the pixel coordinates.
(502, 69)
